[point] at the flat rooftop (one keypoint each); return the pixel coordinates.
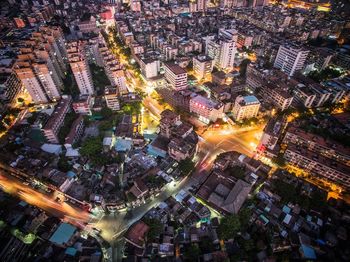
(176, 69)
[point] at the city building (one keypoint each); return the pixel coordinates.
(176, 76)
(272, 132)
(80, 67)
(245, 107)
(150, 67)
(222, 52)
(167, 120)
(290, 59)
(10, 86)
(319, 145)
(206, 109)
(75, 133)
(56, 120)
(38, 81)
(111, 97)
(83, 104)
(202, 66)
(317, 165)
(222, 48)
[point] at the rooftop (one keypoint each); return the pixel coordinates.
(136, 233)
(63, 233)
(250, 100)
(176, 69)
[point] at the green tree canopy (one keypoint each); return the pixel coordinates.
(106, 112)
(229, 227)
(192, 253)
(63, 164)
(91, 147)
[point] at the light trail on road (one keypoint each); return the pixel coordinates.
(62, 210)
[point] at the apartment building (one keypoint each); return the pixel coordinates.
(149, 67)
(56, 120)
(167, 120)
(176, 76)
(80, 67)
(271, 134)
(277, 95)
(290, 59)
(75, 133)
(304, 95)
(111, 97)
(317, 144)
(112, 67)
(223, 52)
(206, 109)
(41, 64)
(202, 66)
(317, 165)
(36, 78)
(83, 104)
(10, 86)
(245, 107)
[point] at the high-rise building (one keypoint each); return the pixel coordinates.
(38, 81)
(80, 67)
(176, 76)
(10, 85)
(202, 66)
(150, 67)
(223, 49)
(245, 107)
(290, 59)
(41, 64)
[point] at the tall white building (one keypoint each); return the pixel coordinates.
(202, 66)
(176, 76)
(290, 59)
(38, 81)
(80, 67)
(223, 52)
(149, 67)
(245, 107)
(41, 65)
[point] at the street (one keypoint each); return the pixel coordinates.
(112, 226)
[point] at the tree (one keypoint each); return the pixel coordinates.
(106, 125)
(286, 191)
(186, 166)
(132, 108)
(91, 147)
(63, 164)
(206, 245)
(192, 253)
(106, 112)
(229, 227)
(244, 217)
(155, 228)
(32, 118)
(279, 160)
